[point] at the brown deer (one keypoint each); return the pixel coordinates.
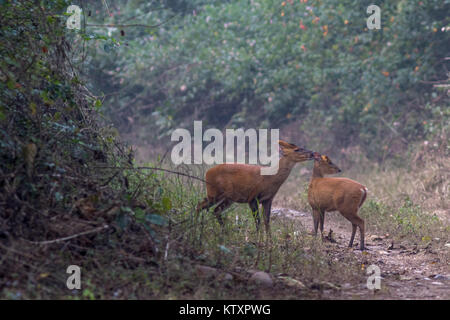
(242, 183)
(335, 194)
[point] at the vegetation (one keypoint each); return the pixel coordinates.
(270, 63)
(71, 191)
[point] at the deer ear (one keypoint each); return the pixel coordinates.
(287, 145)
(283, 144)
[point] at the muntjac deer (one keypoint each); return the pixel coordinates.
(335, 194)
(242, 183)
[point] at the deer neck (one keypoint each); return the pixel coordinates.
(317, 173)
(284, 169)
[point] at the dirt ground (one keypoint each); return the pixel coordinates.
(408, 271)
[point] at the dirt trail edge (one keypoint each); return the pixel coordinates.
(408, 271)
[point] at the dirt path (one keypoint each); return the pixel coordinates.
(408, 271)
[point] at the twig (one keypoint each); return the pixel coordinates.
(393, 130)
(152, 168)
(110, 179)
(107, 8)
(166, 252)
(136, 16)
(164, 156)
(16, 252)
(70, 237)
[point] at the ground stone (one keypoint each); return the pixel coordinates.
(262, 278)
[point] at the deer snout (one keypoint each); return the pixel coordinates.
(306, 153)
(309, 153)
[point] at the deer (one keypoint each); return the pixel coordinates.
(335, 194)
(243, 183)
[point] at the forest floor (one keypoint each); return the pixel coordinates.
(408, 270)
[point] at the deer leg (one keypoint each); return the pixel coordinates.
(255, 212)
(354, 226)
(316, 218)
(321, 221)
(267, 205)
(205, 204)
(356, 221)
(361, 230)
(218, 210)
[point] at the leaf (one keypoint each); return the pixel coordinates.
(156, 219)
(249, 249)
(58, 196)
(127, 209)
(123, 220)
(224, 249)
(33, 108)
(167, 204)
(97, 104)
(150, 231)
(11, 84)
(88, 294)
(139, 214)
(51, 19)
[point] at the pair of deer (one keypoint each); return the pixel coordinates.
(242, 183)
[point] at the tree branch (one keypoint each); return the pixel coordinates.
(112, 25)
(72, 236)
(152, 168)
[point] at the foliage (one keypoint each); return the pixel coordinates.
(48, 124)
(268, 63)
(409, 220)
(51, 148)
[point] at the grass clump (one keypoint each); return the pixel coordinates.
(407, 221)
